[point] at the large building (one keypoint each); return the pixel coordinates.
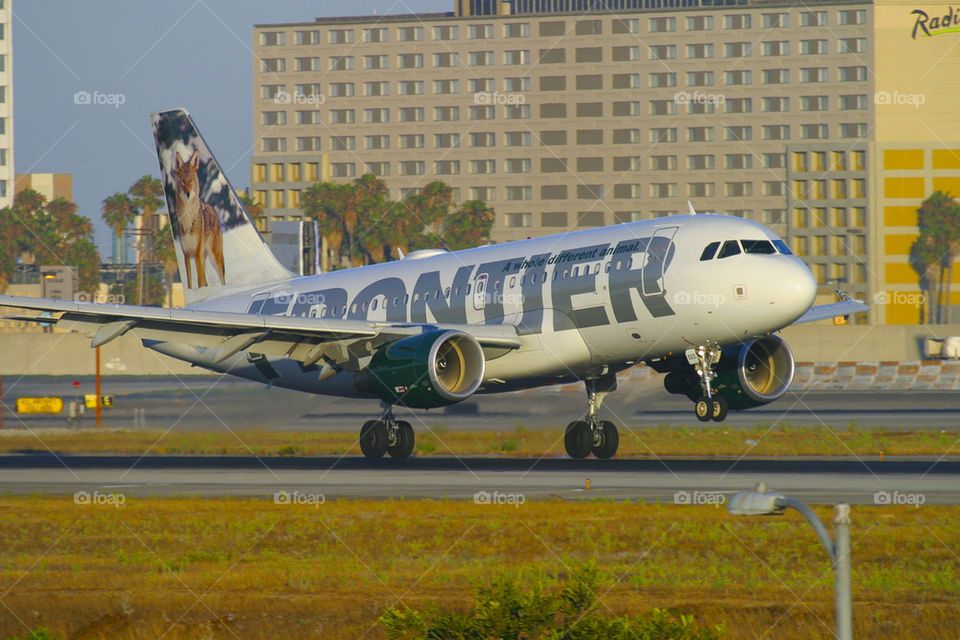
(6, 104)
(828, 121)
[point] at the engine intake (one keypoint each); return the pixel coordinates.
(748, 375)
(429, 370)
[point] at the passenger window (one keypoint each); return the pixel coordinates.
(709, 251)
(373, 306)
(730, 248)
(513, 281)
(782, 247)
(758, 246)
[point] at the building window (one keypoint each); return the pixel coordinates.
(513, 220)
(481, 58)
(627, 191)
(663, 134)
(343, 143)
(446, 32)
(700, 134)
(553, 219)
(776, 48)
(483, 166)
(308, 143)
(343, 169)
(738, 105)
(663, 190)
(626, 136)
(776, 20)
(626, 25)
(409, 34)
(380, 88)
(410, 60)
(776, 132)
(341, 36)
(520, 193)
(813, 47)
(738, 77)
(813, 18)
(379, 168)
(446, 114)
(342, 116)
(851, 16)
(852, 45)
(411, 114)
(447, 167)
(813, 103)
(626, 54)
(519, 165)
(739, 161)
(446, 59)
(446, 140)
(273, 118)
(853, 130)
(701, 50)
(514, 57)
(813, 74)
(738, 189)
(341, 89)
(700, 190)
(377, 142)
(738, 133)
(269, 145)
(589, 54)
(700, 78)
(737, 21)
(341, 63)
(376, 62)
(376, 34)
(446, 86)
(590, 219)
(273, 38)
(518, 138)
(516, 111)
(663, 52)
(307, 37)
(853, 102)
(699, 162)
(662, 79)
(853, 74)
(410, 87)
(737, 50)
(663, 107)
(516, 30)
(411, 141)
(776, 104)
(516, 84)
(273, 65)
(699, 23)
(775, 188)
(776, 76)
(412, 168)
(663, 25)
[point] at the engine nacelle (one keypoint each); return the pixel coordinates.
(749, 375)
(428, 370)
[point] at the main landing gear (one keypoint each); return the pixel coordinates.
(709, 406)
(387, 435)
(593, 435)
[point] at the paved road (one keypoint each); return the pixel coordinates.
(216, 402)
(689, 481)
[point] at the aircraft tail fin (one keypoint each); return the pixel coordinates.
(218, 246)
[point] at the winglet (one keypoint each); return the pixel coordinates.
(690, 208)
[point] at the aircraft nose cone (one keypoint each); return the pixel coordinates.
(792, 289)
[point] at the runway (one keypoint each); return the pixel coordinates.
(199, 403)
(926, 481)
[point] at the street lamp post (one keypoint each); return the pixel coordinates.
(759, 502)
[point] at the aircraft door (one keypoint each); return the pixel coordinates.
(661, 244)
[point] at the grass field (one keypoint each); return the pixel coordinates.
(782, 440)
(185, 568)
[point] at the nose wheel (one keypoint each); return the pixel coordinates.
(593, 435)
(387, 436)
(709, 406)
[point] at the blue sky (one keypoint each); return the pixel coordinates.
(194, 54)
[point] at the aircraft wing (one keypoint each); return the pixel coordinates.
(832, 310)
(308, 340)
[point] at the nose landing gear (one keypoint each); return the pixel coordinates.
(709, 406)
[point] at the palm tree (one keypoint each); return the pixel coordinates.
(937, 246)
(118, 211)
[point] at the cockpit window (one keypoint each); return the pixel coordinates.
(758, 246)
(782, 247)
(709, 251)
(730, 248)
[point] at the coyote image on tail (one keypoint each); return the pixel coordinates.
(198, 223)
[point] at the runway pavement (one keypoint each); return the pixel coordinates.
(218, 402)
(922, 481)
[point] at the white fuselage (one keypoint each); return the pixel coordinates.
(582, 302)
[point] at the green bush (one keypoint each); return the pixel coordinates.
(512, 610)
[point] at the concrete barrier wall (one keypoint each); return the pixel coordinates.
(70, 354)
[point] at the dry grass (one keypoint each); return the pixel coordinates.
(661, 441)
(182, 568)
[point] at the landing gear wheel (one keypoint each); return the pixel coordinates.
(578, 439)
(609, 441)
(373, 438)
(718, 409)
(403, 447)
(704, 409)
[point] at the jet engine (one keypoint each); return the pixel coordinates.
(748, 375)
(429, 370)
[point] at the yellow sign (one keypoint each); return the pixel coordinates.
(840, 320)
(39, 405)
(90, 401)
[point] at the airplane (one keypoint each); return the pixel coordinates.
(697, 297)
